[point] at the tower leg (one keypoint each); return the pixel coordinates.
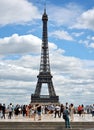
(38, 89)
(51, 89)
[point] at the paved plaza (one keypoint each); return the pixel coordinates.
(49, 118)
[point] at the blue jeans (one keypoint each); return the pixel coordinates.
(67, 122)
(92, 113)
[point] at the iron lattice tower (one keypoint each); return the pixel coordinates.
(44, 72)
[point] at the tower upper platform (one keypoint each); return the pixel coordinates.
(45, 16)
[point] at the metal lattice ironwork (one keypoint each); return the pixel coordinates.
(44, 72)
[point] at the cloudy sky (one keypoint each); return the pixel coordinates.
(71, 48)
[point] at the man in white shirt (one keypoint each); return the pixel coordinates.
(57, 110)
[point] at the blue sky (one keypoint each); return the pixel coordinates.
(71, 48)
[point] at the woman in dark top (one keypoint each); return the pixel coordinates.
(39, 111)
(61, 110)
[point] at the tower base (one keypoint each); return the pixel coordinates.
(44, 99)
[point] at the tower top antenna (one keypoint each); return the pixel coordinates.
(45, 6)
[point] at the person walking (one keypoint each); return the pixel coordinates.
(66, 117)
(3, 111)
(10, 110)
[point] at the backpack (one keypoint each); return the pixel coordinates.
(64, 114)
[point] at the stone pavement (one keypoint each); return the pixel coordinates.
(49, 118)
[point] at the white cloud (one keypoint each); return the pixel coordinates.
(91, 41)
(64, 15)
(61, 35)
(17, 72)
(16, 44)
(88, 42)
(92, 38)
(77, 34)
(86, 20)
(23, 44)
(91, 45)
(15, 11)
(84, 42)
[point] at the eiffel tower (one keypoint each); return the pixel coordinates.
(44, 76)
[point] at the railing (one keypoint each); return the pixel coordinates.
(44, 96)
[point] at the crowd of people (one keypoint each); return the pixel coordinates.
(58, 110)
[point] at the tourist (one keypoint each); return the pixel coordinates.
(79, 110)
(3, 111)
(39, 111)
(24, 110)
(27, 110)
(17, 110)
(66, 105)
(82, 111)
(61, 110)
(30, 110)
(34, 111)
(0, 110)
(45, 109)
(66, 117)
(57, 111)
(71, 109)
(50, 108)
(93, 111)
(10, 109)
